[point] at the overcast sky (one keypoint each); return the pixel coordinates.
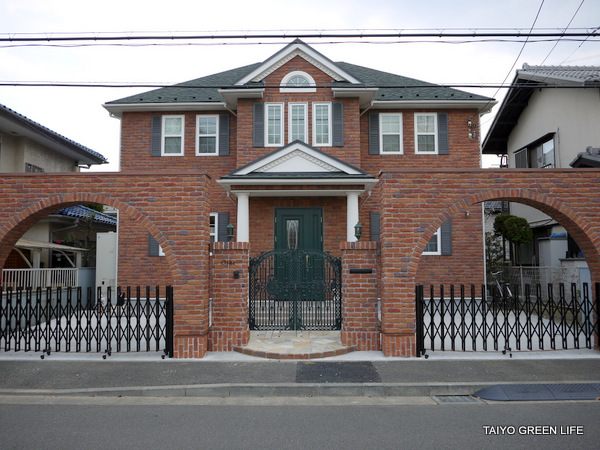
(77, 113)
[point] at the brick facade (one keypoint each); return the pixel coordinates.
(164, 205)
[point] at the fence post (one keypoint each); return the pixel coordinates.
(419, 312)
(169, 324)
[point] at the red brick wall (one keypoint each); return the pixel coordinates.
(229, 296)
(360, 295)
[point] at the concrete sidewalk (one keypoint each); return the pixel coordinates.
(232, 375)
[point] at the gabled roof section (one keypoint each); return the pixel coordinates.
(297, 159)
(297, 48)
(15, 124)
(526, 80)
(374, 88)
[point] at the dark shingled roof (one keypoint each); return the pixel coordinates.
(402, 89)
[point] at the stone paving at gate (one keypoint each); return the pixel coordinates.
(294, 344)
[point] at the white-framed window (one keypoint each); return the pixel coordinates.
(322, 124)
(298, 81)
(426, 133)
(434, 246)
(273, 124)
(172, 135)
(214, 227)
(298, 122)
(390, 133)
(207, 132)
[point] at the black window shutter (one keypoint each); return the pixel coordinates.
(443, 143)
(152, 246)
(446, 231)
(338, 124)
(258, 132)
(223, 135)
(156, 136)
(223, 219)
(374, 134)
(375, 226)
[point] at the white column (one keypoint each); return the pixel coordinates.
(352, 215)
(243, 218)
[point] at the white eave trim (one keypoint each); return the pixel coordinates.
(365, 95)
(367, 184)
(231, 96)
(484, 106)
(117, 110)
(297, 48)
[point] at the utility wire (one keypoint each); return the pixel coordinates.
(95, 37)
(566, 28)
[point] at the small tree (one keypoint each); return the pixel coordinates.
(515, 230)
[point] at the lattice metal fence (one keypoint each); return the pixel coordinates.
(536, 319)
(73, 320)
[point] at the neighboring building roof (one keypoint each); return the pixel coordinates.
(16, 124)
(380, 88)
(522, 87)
(83, 212)
(37, 245)
(589, 158)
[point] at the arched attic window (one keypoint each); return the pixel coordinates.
(297, 81)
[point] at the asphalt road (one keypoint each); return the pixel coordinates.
(329, 423)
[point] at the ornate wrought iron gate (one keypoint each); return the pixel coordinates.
(295, 290)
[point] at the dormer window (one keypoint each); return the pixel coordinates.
(298, 82)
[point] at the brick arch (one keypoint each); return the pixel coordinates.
(173, 206)
(27, 217)
(576, 226)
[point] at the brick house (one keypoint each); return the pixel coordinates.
(293, 146)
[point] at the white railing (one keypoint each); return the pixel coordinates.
(43, 278)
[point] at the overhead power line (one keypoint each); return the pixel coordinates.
(475, 34)
(225, 87)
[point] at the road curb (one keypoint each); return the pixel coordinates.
(270, 390)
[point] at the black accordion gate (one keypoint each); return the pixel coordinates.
(295, 290)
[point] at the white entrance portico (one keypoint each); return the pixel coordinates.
(293, 171)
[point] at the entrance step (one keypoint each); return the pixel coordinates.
(295, 344)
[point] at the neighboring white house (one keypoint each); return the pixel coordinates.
(550, 116)
(27, 146)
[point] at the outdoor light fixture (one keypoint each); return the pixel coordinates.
(358, 231)
(229, 233)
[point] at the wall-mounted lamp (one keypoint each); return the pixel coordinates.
(229, 233)
(358, 231)
(467, 213)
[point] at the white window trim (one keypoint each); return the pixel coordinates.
(216, 233)
(163, 136)
(314, 124)
(161, 251)
(381, 134)
(282, 127)
(290, 120)
(435, 134)
(438, 234)
(286, 79)
(216, 135)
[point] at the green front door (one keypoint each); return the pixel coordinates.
(297, 230)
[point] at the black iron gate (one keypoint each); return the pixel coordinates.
(295, 290)
(507, 319)
(76, 320)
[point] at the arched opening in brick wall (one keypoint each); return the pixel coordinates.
(580, 230)
(23, 220)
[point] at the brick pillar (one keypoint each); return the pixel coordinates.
(229, 293)
(360, 294)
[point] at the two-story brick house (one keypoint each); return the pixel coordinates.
(294, 146)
